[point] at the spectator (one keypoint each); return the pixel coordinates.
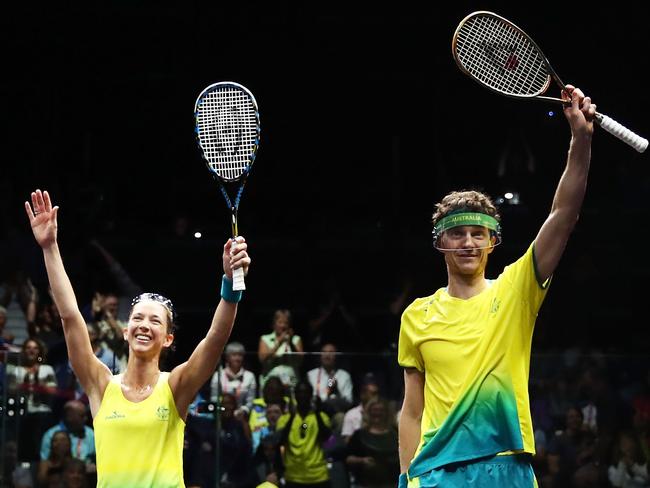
(331, 384)
(74, 474)
(5, 336)
(14, 474)
(50, 470)
(267, 462)
(105, 355)
(279, 351)
(34, 380)
(569, 450)
(273, 392)
(373, 457)
(353, 418)
(235, 379)
(82, 437)
(629, 468)
(302, 433)
(104, 309)
(273, 412)
(235, 450)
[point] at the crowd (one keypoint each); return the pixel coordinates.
(296, 412)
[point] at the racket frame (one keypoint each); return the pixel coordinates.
(233, 204)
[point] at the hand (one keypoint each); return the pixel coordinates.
(42, 218)
(580, 112)
(97, 303)
(235, 256)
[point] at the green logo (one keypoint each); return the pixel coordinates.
(115, 415)
(162, 413)
(495, 305)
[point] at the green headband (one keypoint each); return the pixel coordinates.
(467, 218)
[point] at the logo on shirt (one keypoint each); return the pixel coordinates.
(162, 413)
(115, 415)
(495, 305)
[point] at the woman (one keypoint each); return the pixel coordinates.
(50, 470)
(138, 415)
(280, 351)
(35, 381)
(372, 451)
(235, 379)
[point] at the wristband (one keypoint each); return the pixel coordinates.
(227, 292)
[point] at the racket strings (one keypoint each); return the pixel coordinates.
(228, 131)
(501, 56)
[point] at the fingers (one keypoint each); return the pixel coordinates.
(235, 249)
(28, 210)
(47, 201)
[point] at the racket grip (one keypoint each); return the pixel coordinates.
(623, 133)
(238, 283)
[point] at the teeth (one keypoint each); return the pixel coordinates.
(142, 338)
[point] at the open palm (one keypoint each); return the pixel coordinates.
(42, 218)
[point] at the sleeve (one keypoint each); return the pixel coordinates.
(408, 354)
(345, 386)
(48, 376)
(522, 275)
(348, 425)
(214, 384)
(45, 445)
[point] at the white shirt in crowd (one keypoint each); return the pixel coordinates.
(320, 380)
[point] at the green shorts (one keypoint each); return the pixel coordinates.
(493, 472)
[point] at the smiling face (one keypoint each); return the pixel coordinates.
(466, 249)
(148, 329)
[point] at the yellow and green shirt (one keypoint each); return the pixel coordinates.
(475, 355)
(139, 445)
(304, 459)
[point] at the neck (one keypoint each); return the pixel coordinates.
(465, 287)
(328, 369)
(140, 372)
(233, 370)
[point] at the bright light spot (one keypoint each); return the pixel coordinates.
(509, 195)
(551, 113)
(197, 235)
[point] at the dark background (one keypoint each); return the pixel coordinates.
(366, 123)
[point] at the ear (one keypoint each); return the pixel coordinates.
(169, 339)
(125, 333)
(493, 240)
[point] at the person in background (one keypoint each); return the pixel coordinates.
(279, 351)
(302, 433)
(235, 379)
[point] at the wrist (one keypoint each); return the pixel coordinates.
(227, 293)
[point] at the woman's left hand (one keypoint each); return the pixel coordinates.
(235, 256)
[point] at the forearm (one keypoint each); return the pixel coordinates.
(409, 438)
(571, 189)
(62, 291)
(223, 321)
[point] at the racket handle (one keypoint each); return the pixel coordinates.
(623, 133)
(238, 283)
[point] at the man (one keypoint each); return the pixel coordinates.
(82, 436)
(466, 348)
(333, 385)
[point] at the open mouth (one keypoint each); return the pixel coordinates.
(142, 338)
